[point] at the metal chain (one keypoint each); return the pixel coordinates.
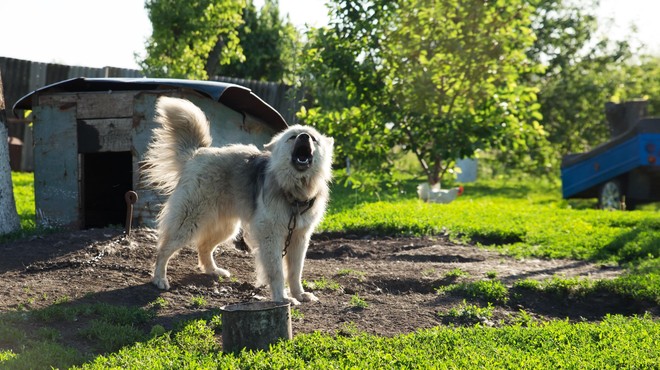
(291, 227)
(292, 220)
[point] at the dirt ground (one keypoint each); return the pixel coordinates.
(396, 277)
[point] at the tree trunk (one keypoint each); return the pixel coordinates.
(435, 171)
(9, 220)
(213, 61)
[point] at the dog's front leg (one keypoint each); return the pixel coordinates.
(270, 269)
(295, 260)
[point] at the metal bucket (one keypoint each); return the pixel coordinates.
(254, 325)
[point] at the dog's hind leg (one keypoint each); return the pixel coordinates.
(208, 239)
(166, 249)
(175, 231)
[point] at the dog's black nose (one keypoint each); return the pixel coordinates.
(303, 152)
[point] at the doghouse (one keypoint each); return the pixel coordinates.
(90, 136)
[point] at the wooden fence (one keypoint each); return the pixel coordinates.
(20, 77)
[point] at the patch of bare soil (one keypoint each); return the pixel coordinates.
(396, 277)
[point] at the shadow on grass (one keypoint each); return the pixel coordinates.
(71, 333)
(558, 302)
(593, 305)
(641, 242)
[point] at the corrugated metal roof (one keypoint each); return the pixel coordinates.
(234, 96)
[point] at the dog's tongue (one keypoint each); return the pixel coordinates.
(303, 152)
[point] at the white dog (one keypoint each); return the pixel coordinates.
(277, 196)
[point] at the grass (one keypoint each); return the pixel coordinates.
(490, 291)
(198, 301)
(520, 219)
(455, 273)
(322, 283)
(159, 303)
(357, 302)
(560, 287)
(296, 314)
(360, 275)
(616, 342)
(23, 186)
(104, 328)
(469, 313)
(516, 218)
(63, 312)
(24, 197)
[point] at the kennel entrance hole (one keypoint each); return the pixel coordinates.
(106, 177)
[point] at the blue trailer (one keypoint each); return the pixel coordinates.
(622, 173)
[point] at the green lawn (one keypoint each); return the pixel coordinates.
(616, 342)
(24, 196)
(516, 218)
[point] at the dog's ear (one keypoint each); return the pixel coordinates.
(269, 146)
(329, 141)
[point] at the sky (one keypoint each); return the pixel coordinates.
(99, 33)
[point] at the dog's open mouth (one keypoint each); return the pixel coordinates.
(303, 152)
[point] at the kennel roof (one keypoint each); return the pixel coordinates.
(234, 96)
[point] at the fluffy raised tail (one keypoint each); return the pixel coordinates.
(184, 129)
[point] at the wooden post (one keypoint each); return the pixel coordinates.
(255, 325)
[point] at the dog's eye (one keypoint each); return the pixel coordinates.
(313, 139)
(291, 138)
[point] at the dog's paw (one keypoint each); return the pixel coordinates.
(292, 301)
(161, 283)
(308, 297)
(218, 272)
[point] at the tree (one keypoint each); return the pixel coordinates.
(269, 44)
(562, 29)
(207, 38)
(191, 38)
(641, 80)
(582, 72)
(573, 104)
(9, 220)
(438, 79)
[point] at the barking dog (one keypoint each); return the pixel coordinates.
(277, 196)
